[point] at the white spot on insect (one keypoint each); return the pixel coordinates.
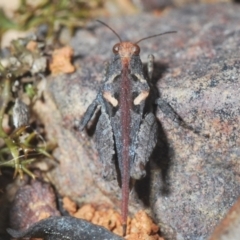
(142, 96)
(108, 96)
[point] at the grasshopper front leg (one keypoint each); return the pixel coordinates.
(88, 114)
(165, 107)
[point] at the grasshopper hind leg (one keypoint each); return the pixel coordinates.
(146, 142)
(105, 146)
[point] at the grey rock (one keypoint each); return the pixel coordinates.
(65, 228)
(32, 203)
(228, 229)
(192, 180)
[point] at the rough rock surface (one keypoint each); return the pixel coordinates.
(228, 229)
(65, 228)
(194, 180)
(155, 5)
(33, 202)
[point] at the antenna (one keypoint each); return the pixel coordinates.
(156, 35)
(110, 29)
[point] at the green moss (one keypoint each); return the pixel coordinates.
(54, 13)
(20, 147)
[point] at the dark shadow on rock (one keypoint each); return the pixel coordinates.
(160, 160)
(77, 57)
(159, 69)
(5, 237)
(59, 201)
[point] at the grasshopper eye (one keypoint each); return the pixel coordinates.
(136, 49)
(116, 48)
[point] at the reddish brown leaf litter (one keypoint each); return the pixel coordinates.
(140, 226)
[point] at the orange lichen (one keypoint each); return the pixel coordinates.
(143, 228)
(69, 205)
(61, 61)
(140, 226)
(32, 46)
(86, 212)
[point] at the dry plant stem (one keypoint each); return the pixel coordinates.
(30, 138)
(41, 149)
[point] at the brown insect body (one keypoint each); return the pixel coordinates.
(125, 51)
(124, 105)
